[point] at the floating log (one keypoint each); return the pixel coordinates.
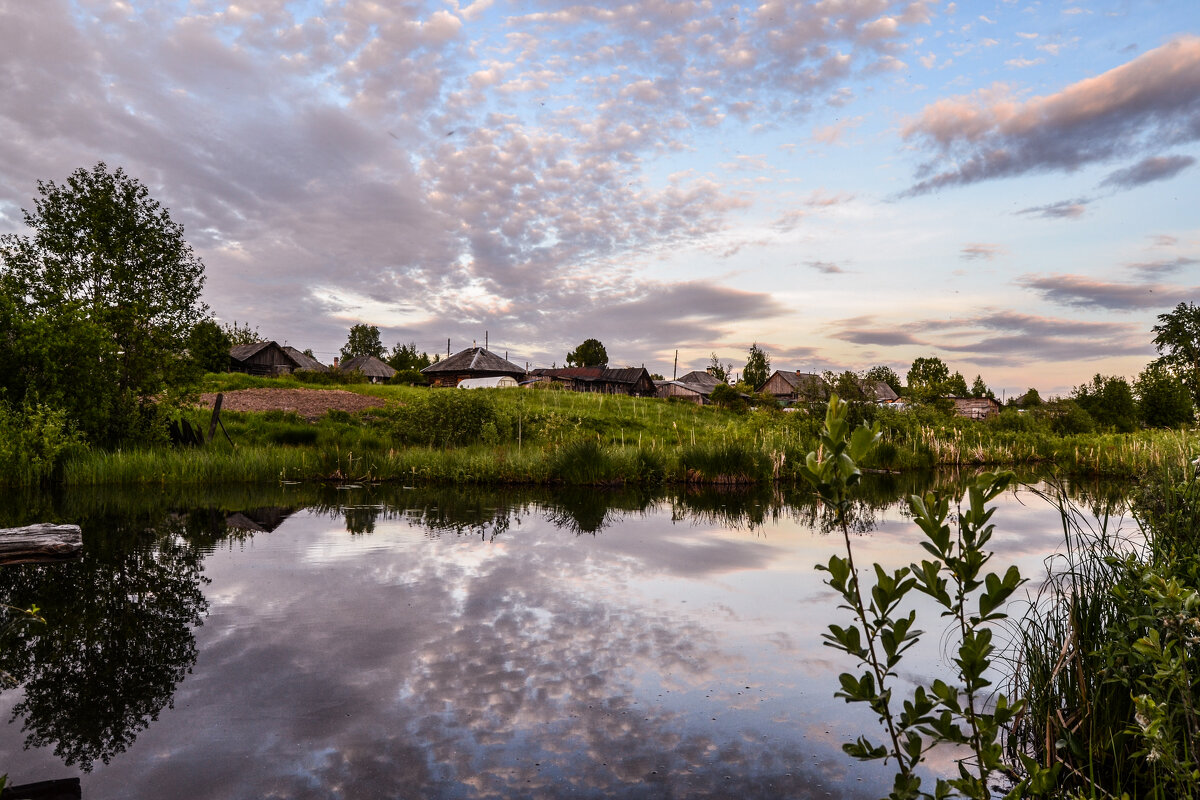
(40, 543)
(64, 789)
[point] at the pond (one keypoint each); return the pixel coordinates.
(298, 641)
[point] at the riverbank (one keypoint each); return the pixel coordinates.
(535, 437)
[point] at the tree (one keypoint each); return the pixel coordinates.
(208, 346)
(1031, 399)
(719, 372)
(980, 389)
(1163, 400)
(884, 374)
(1177, 338)
(927, 378)
(590, 353)
(363, 341)
(1109, 401)
(758, 367)
(108, 271)
(404, 357)
(957, 386)
(241, 334)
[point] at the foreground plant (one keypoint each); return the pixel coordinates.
(941, 713)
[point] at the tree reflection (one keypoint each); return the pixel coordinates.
(117, 640)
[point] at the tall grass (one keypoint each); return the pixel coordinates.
(1108, 656)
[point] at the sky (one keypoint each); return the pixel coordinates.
(1009, 186)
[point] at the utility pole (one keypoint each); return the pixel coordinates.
(447, 347)
(485, 340)
(675, 369)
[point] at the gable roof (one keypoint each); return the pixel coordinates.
(475, 359)
(304, 361)
(370, 366)
(804, 382)
(698, 378)
(883, 393)
(595, 374)
(698, 388)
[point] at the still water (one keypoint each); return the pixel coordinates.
(386, 642)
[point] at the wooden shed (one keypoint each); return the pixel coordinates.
(791, 385)
(694, 392)
(261, 358)
(474, 362)
(634, 381)
(375, 370)
(975, 407)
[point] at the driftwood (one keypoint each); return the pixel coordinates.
(38, 543)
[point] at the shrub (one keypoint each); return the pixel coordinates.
(333, 377)
(408, 377)
(34, 441)
(450, 418)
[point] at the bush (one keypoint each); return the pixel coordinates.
(408, 377)
(450, 418)
(334, 377)
(34, 441)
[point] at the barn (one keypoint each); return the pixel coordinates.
(370, 366)
(261, 358)
(634, 381)
(791, 385)
(304, 360)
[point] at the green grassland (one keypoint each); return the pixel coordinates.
(547, 437)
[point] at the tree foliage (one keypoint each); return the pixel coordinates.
(1109, 401)
(1163, 400)
(1177, 338)
(590, 353)
(405, 358)
(885, 374)
(980, 389)
(208, 346)
(363, 341)
(721, 372)
(758, 367)
(99, 301)
(241, 334)
(927, 378)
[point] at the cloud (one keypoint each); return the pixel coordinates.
(827, 267)
(981, 250)
(1148, 170)
(1164, 266)
(1151, 101)
(1063, 209)
(1084, 292)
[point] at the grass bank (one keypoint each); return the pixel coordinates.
(547, 437)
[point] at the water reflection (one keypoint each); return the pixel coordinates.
(441, 643)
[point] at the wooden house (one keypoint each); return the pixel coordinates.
(304, 361)
(474, 362)
(789, 385)
(634, 381)
(975, 407)
(375, 370)
(261, 358)
(880, 391)
(694, 392)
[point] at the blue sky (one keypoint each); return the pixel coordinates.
(1010, 186)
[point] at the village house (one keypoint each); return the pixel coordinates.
(261, 358)
(696, 387)
(975, 407)
(474, 362)
(375, 370)
(792, 386)
(633, 381)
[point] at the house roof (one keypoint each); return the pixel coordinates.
(698, 378)
(242, 352)
(370, 366)
(595, 374)
(475, 359)
(698, 388)
(304, 361)
(883, 392)
(804, 382)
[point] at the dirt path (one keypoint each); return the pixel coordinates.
(308, 403)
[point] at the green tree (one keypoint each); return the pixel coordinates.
(1163, 400)
(980, 389)
(758, 367)
(1177, 338)
(404, 357)
(957, 385)
(1109, 401)
(721, 373)
(107, 271)
(241, 334)
(927, 378)
(590, 353)
(885, 374)
(363, 341)
(208, 346)
(1031, 399)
